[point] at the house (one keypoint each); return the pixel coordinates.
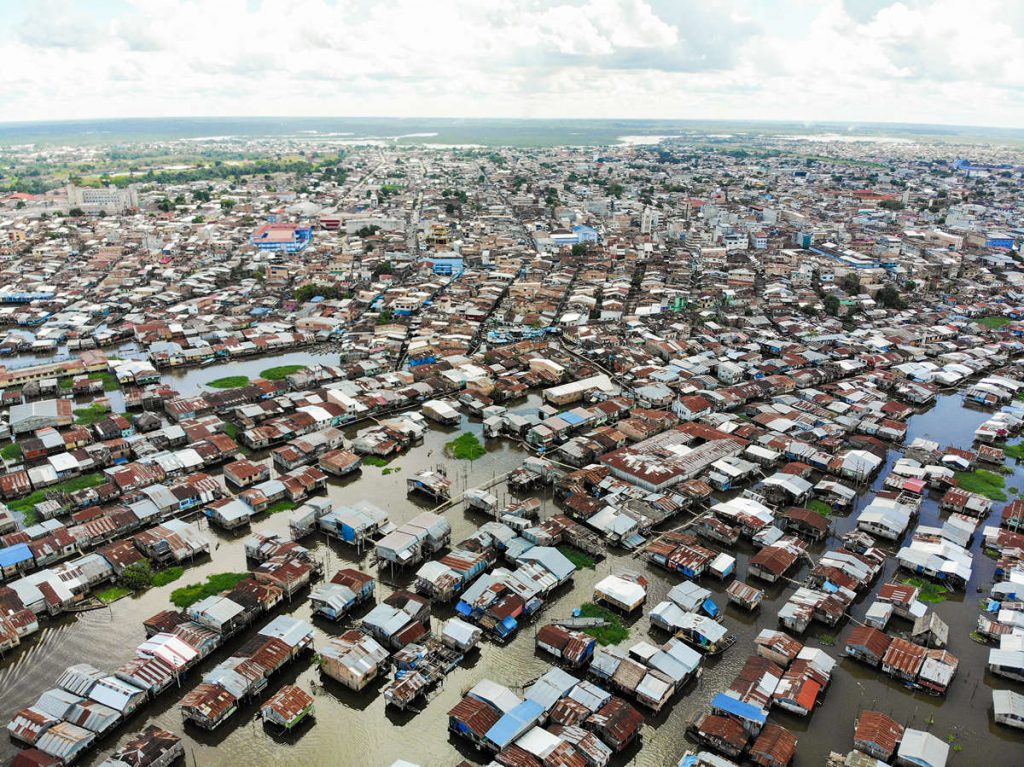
(572, 647)
(921, 749)
(153, 747)
(868, 645)
(877, 734)
(287, 708)
(354, 659)
(775, 746)
(626, 593)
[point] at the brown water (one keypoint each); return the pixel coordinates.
(355, 729)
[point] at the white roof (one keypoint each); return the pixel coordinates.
(621, 590)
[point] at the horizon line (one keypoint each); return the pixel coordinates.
(724, 120)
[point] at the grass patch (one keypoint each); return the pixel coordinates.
(11, 452)
(110, 382)
(112, 594)
(612, 632)
(280, 372)
(27, 504)
(580, 559)
(391, 470)
(983, 482)
(232, 430)
(994, 321)
(465, 447)
(827, 640)
(820, 507)
(278, 506)
(87, 416)
(374, 460)
(229, 382)
(1016, 452)
(169, 575)
(931, 593)
(188, 595)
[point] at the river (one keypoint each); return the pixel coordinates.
(355, 729)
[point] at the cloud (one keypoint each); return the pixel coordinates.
(859, 60)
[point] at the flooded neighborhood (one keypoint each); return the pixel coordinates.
(575, 456)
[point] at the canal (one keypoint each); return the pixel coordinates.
(356, 729)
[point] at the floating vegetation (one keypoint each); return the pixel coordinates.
(465, 447)
(612, 632)
(581, 560)
(112, 594)
(931, 593)
(982, 482)
(229, 382)
(187, 595)
(821, 507)
(280, 372)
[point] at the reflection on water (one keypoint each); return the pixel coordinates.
(354, 728)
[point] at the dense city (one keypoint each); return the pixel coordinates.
(697, 450)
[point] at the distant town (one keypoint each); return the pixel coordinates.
(686, 449)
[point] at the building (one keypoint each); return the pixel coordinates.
(283, 238)
(38, 415)
(108, 199)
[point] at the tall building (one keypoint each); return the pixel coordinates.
(650, 220)
(109, 199)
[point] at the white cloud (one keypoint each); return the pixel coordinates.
(912, 61)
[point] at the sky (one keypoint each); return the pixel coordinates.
(918, 61)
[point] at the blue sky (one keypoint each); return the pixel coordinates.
(927, 61)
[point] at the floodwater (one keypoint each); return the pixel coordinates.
(356, 729)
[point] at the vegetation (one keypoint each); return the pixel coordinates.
(137, 576)
(280, 372)
(827, 640)
(983, 482)
(465, 447)
(580, 559)
(1016, 452)
(994, 322)
(110, 382)
(831, 304)
(821, 507)
(930, 592)
(229, 382)
(283, 505)
(27, 504)
(374, 460)
(612, 632)
(11, 452)
(188, 595)
(87, 416)
(391, 470)
(891, 204)
(890, 298)
(168, 575)
(314, 289)
(112, 594)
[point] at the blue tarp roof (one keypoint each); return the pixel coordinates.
(515, 723)
(12, 555)
(570, 417)
(738, 708)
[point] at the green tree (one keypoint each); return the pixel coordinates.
(226, 203)
(850, 283)
(138, 576)
(890, 298)
(831, 305)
